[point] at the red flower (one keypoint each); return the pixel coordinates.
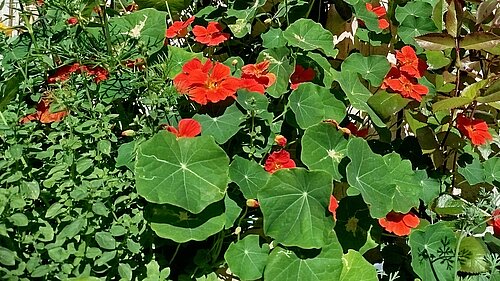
(280, 140)
(496, 222)
(252, 85)
(209, 82)
(188, 128)
(393, 73)
(212, 35)
(399, 224)
(410, 63)
(62, 73)
(179, 28)
(99, 73)
(278, 160)
(301, 75)
(407, 87)
(357, 132)
(380, 12)
(474, 129)
(72, 21)
(259, 73)
(332, 207)
(43, 114)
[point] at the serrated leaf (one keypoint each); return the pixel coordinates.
(190, 173)
(222, 128)
(293, 203)
(355, 267)
(323, 147)
(310, 35)
(372, 68)
(248, 175)
(246, 259)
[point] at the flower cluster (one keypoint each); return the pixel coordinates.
(381, 12)
(211, 35)
(399, 224)
(402, 78)
(212, 81)
(474, 129)
(63, 73)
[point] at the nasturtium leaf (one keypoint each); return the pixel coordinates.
(105, 240)
(273, 38)
(310, 35)
(293, 203)
(450, 103)
(358, 95)
(252, 101)
(492, 170)
(412, 27)
(222, 128)
(473, 173)
(323, 147)
(174, 6)
(472, 254)
(7, 257)
(355, 267)
(413, 8)
(190, 173)
(369, 18)
(372, 68)
(232, 212)
(179, 225)
(385, 182)
(290, 265)
(281, 67)
(433, 252)
(386, 104)
(146, 25)
(177, 57)
(126, 155)
(447, 205)
(246, 258)
(312, 104)
(248, 175)
(436, 59)
(431, 188)
(243, 23)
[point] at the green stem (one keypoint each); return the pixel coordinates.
(107, 35)
(175, 253)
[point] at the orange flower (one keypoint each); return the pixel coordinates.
(355, 131)
(393, 73)
(212, 35)
(407, 87)
(474, 129)
(209, 82)
(62, 73)
(43, 114)
(332, 207)
(409, 62)
(259, 73)
(301, 75)
(380, 12)
(99, 73)
(399, 224)
(188, 128)
(278, 160)
(179, 28)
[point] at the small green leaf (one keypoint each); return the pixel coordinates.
(473, 90)
(415, 9)
(246, 259)
(7, 257)
(125, 271)
(386, 105)
(273, 38)
(472, 255)
(252, 101)
(248, 175)
(474, 173)
(105, 240)
(450, 103)
(356, 268)
(372, 68)
(19, 219)
(436, 59)
(281, 67)
(310, 35)
(72, 229)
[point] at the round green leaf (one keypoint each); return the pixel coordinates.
(105, 240)
(19, 219)
(412, 27)
(252, 101)
(415, 9)
(310, 35)
(371, 68)
(246, 259)
(248, 175)
(288, 265)
(177, 57)
(190, 173)
(433, 252)
(273, 38)
(179, 225)
(222, 128)
(232, 212)
(323, 147)
(355, 268)
(294, 204)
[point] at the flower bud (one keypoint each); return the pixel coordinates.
(234, 62)
(128, 133)
(72, 21)
(252, 203)
(280, 140)
(268, 21)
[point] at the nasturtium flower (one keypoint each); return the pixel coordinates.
(408, 87)
(393, 73)
(399, 224)
(380, 11)
(495, 222)
(278, 160)
(72, 21)
(259, 74)
(99, 73)
(63, 73)
(301, 75)
(409, 63)
(43, 114)
(179, 28)
(474, 129)
(188, 128)
(280, 140)
(211, 35)
(355, 131)
(208, 82)
(332, 206)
